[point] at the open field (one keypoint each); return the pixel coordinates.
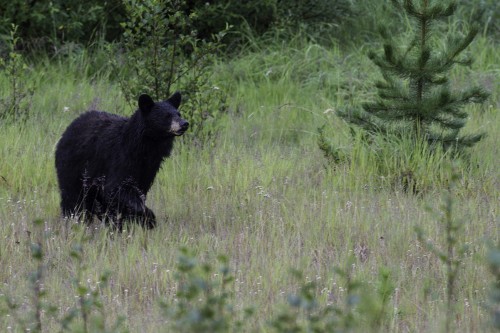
(261, 193)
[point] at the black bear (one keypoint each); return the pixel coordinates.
(106, 163)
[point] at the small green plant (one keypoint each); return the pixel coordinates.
(415, 96)
(375, 306)
(494, 305)
(32, 321)
(453, 251)
(36, 280)
(163, 54)
(202, 299)
(41, 308)
(88, 301)
(15, 105)
(305, 314)
(333, 155)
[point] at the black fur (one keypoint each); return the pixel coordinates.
(106, 163)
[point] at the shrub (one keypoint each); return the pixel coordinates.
(453, 252)
(493, 260)
(163, 55)
(203, 298)
(15, 105)
(41, 309)
(359, 306)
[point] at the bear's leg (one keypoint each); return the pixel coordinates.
(71, 187)
(141, 214)
(94, 203)
(145, 219)
(129, 202)
(70, 205)
(148, 220)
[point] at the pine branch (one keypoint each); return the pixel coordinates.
(392, 112)
(454, 52)
(464, 141)
(428, 13)
(455, 111)
(411, 10)
(470, 140)
(438, 80)
(448, 123)
(391, 90)
(363, 120)
(474, 95)
(440, 12)
(397, 4)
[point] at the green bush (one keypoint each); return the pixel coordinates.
(453, 251)
(15, 102)
(493, 260)
(203, 297)
(49, 24)
(86, 315)
(162, 54)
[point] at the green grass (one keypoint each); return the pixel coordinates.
(262, 195)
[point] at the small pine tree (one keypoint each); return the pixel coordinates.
(415, 96)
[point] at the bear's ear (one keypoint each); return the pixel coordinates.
(146, 103)
(175, 99)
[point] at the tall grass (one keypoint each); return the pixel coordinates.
(263, 195)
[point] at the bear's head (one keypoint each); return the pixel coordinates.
(162, 119)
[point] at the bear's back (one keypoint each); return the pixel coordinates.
(96, 120)
(94, 134)
(93, 126)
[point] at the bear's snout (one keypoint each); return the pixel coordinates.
(184, 125)
(178, 128)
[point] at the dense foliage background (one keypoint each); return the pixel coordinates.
(50, 24)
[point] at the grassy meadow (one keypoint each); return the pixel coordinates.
(261, 193)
